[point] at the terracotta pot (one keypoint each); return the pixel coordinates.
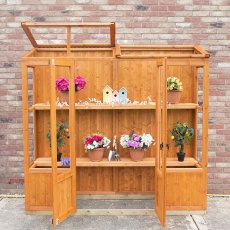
(173, 96)
(137, 154)
(96, 154)
(65, 96)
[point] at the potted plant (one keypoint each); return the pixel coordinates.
(174, 89)
(62, 85)
(95, 145)
(62, 132)
(137, 144)
(181, 135)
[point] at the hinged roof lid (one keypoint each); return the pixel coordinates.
(68, 25)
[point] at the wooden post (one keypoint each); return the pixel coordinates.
(164, 135)
(53, 136)
(25, 133)
(205, 130)
(205, 115)
(35, 118)
(112, 34)
(72, 132)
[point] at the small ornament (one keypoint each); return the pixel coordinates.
(115, 97)
(107, 94)
(123, 94)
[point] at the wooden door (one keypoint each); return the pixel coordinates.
(64, 179)
(160, 166)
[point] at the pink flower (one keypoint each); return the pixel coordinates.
(100, 143)
(99, 137)
(95, 138)
(62, 84)
(88, 140)
(79, 83)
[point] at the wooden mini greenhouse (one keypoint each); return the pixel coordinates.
(143, 70)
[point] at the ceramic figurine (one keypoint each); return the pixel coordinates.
(115, 97)
(123, 95)
(107, 94)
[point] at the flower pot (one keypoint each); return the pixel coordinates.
(59, 156)
(173, 96)
(96, 154)
(65, 96)
(181, 156)
(137, 154)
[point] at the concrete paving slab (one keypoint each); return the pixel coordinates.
(218, 214)
(12, 216)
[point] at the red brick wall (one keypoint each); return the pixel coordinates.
(204, 22)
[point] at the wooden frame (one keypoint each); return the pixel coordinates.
(27, 25)
(159, 172)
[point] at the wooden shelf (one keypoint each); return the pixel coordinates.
(184, 106)
(42, 106)
(125, 162)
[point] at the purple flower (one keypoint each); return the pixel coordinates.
(136, 144)
(129, 143)
(65, 161)
(79, 83)
(62, 84)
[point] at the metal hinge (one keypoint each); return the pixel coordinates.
(52, 61)
(161, 146)
(167, 146)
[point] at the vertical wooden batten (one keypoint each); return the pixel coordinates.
(72, 134)
(53, 122)
(25, 133)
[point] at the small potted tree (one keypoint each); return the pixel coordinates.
(181, 135)
(137, 144)
(62, 133)
(95, 145)
(174, 89)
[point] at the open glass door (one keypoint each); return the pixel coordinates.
(161, 153)
(64, 179)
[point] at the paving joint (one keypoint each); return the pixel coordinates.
(195, 222)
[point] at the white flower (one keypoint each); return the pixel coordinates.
(95, 144)
(106, 142)
(123, 140)
(90, 147)
(147, 139)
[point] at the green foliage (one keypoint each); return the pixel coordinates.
(62, 133)
(182, 134)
